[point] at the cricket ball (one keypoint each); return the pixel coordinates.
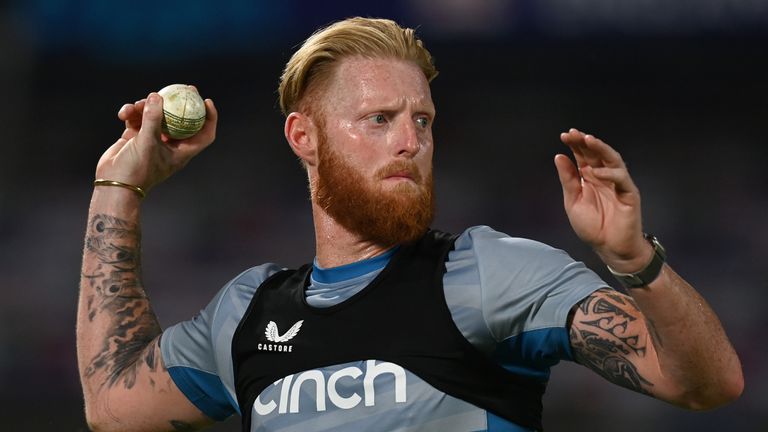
(183, 111)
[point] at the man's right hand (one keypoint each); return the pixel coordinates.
(144, 156)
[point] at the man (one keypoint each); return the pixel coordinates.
(394, 326)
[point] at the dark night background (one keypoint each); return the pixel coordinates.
(679, 88)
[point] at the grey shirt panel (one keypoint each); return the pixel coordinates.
(204, 342)
(496, 288)
(527, 285)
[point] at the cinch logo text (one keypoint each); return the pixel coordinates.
(290, 388)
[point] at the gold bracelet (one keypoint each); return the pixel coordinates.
(103, 182)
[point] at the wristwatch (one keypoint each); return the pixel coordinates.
(649, 273)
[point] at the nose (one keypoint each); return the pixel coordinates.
(406, 139)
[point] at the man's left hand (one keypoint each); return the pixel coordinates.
(602, 202)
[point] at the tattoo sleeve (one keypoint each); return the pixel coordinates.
(115, 296)
(609, 336)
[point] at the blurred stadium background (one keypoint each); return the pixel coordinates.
(679, 88)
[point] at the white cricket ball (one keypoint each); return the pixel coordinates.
(183, 111)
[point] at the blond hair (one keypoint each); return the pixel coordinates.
(313, 64)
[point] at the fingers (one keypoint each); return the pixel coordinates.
(131, 114)
(590, 150)
(208, 132)
(575, 140)
(569, 178)
(151, 119)
(597, 160)
(125, 112)
(143, 121)
(618, 176)
(212, 113)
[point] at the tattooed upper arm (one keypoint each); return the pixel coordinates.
(124, 378)
(609, 335)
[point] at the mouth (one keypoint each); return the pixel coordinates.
(400, 171)
(400, 175)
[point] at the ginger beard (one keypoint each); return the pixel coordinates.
(399, 215)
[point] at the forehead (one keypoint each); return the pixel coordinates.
(360, 83)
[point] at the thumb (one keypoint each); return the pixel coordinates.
(569, 178)
(151, 119)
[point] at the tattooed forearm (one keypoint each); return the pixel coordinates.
(114, 243)
(114, 276)
(607, 337)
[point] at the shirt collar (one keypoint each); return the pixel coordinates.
(352, 270)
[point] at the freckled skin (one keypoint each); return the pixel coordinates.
(362, 87)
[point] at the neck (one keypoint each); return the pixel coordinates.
(338, 246)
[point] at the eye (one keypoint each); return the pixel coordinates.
(423, 122)
(378, 118)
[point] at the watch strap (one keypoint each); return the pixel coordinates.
(649, 273)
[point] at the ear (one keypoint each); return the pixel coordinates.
(301, 133)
